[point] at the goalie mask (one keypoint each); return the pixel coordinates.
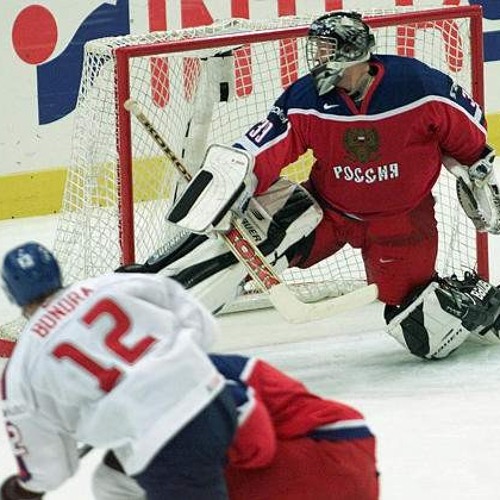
(335, 42)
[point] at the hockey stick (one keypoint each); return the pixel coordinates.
(283, 299)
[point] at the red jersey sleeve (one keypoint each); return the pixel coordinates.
(275, 142)
(460, 136)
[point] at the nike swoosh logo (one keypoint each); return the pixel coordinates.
(385, 261)
(330, 106)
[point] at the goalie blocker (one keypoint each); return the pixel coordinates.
(223, 185)
(274, 220)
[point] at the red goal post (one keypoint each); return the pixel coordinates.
(209, 84)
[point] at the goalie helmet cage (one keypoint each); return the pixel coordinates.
(209, 84)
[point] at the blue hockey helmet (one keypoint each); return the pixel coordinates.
(335, 42)
(30, 272)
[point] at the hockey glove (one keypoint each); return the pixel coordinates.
(223, 186)
(478, 191)
(482, 170)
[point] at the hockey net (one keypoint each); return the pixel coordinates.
(210, 84)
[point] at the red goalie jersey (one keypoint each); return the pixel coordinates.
(381, 159)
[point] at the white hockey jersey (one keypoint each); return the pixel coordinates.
(114, 362)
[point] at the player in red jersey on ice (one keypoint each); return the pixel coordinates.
(290, 443)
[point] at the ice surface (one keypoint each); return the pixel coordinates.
(437, 423)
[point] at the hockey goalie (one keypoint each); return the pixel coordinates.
(380, 128)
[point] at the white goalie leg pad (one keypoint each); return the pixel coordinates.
(110, 484)
(224, 179)
(285, 206)
(218, 289)
(449, 310)
(206, 267)
(426, 329)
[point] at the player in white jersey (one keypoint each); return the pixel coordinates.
(115, 362)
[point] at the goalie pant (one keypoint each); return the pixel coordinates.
(275, 221)
(290, 444)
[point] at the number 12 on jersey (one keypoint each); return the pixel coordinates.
(107, 377)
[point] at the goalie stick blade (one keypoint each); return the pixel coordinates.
(296, 311)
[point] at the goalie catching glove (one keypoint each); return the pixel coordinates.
(478, 191)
